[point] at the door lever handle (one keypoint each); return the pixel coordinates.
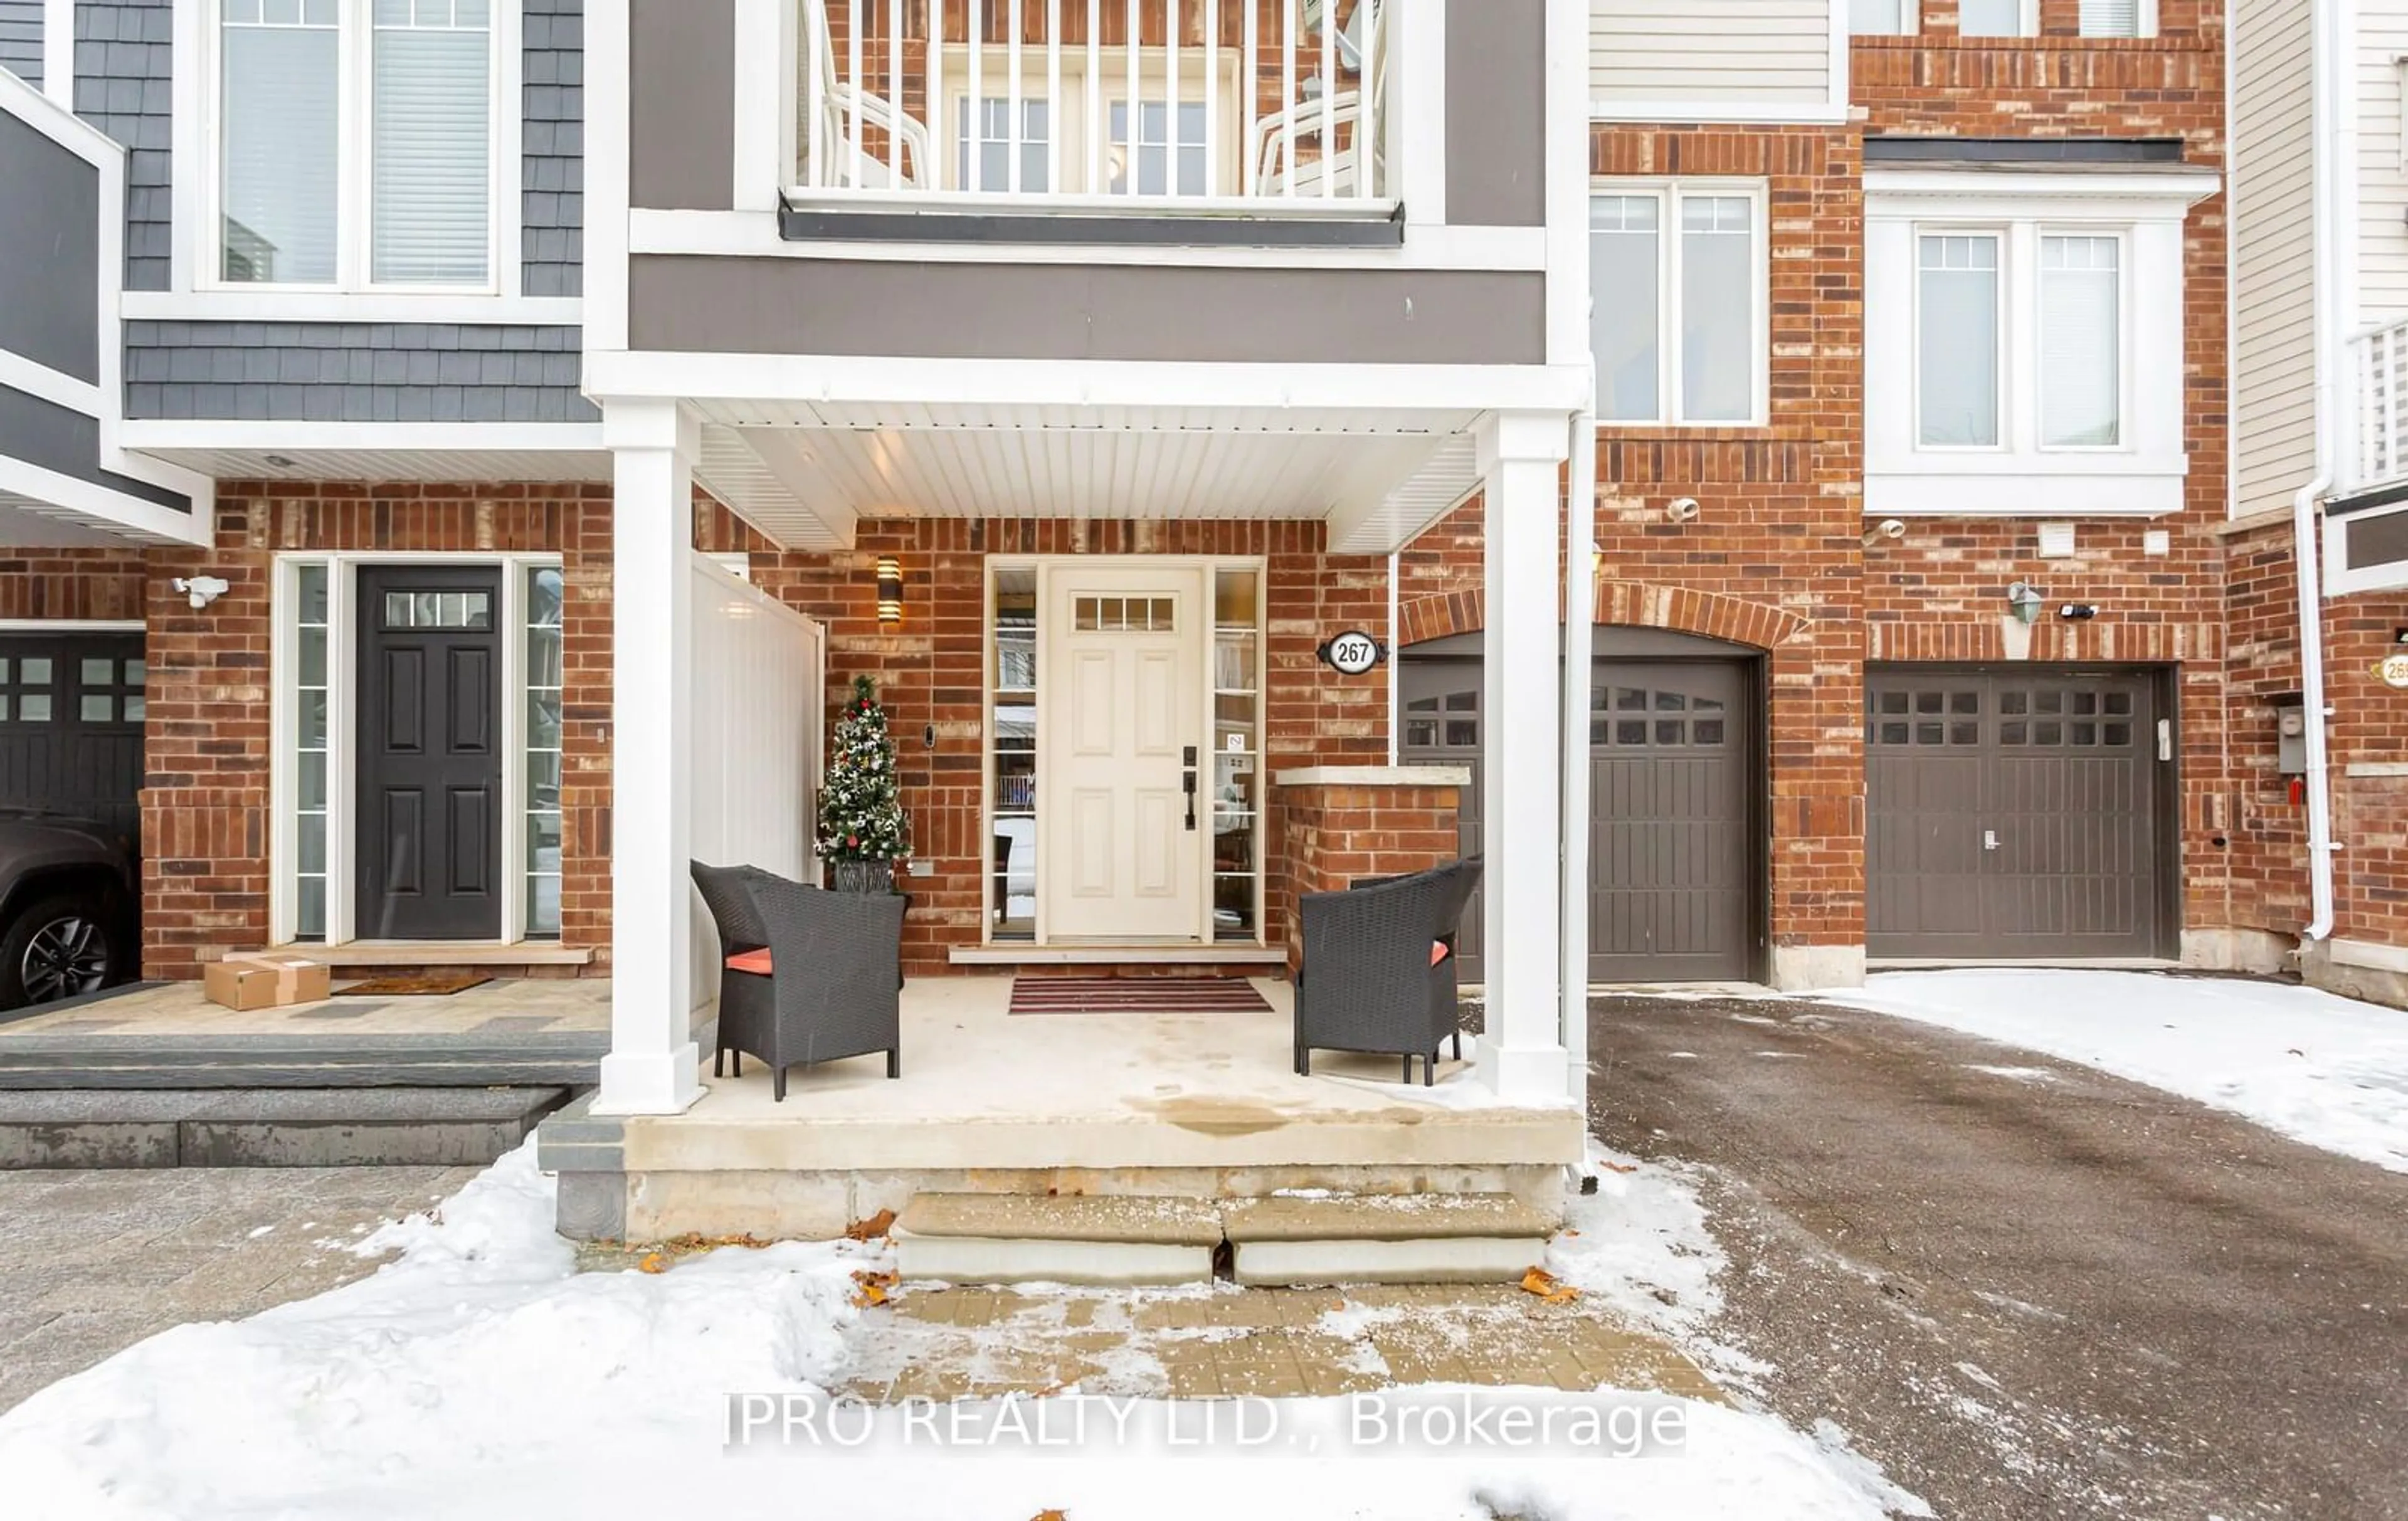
(1187, 779)
(1989, 839)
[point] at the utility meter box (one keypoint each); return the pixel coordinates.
(2291, 735)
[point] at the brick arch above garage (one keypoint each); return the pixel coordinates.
(1679, 610)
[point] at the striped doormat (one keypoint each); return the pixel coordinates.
(1136, 995)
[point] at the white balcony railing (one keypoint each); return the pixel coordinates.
(1160, 104)
(2382, 362)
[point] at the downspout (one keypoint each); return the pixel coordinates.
(2331, 16)
(1580, 641)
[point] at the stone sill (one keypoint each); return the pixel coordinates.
(1375, 776)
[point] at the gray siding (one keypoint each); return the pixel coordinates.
(1496, 114)
(681, 121)
(123, 86)
(352, 372)
(50, 253)
(687, 304)
(552, 183)
(42, 432)
(21, 39)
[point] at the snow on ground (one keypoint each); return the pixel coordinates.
(2324, 1070)
(479, 1376)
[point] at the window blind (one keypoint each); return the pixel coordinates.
(281, 134)
(2111, 18)
(1957, 358)
(1625, 313)
(2081, 343)
(430, 121)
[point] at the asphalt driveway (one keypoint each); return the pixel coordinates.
(2027, 1289)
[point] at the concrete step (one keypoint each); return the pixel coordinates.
(1022, 1239)
(1384, 1238)
(350, 1126)
(1288, 1240)
(180, 1063)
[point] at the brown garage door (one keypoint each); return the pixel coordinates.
(1673, 835)
(2013, 814)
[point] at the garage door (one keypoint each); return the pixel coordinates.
(71, 711)
(2013, 814)
(1672, 836)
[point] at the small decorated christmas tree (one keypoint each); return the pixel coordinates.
(863, 831)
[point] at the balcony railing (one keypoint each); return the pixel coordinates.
(1153, 103)
(2382, 357)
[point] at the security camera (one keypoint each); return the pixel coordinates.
(200, 590)
(1683, 510)
(1888, 528)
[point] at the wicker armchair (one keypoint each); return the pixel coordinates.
(835, 980)
(745, 1006)
(1369, 982)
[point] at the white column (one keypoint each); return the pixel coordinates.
(1522, 1051)
(652, 1068)
(1579, 646)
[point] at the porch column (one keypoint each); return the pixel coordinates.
(1522, 1050)
(651, 1068)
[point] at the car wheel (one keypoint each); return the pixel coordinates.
(58, 948)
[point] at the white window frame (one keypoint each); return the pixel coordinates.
(199, 260)
(1909, 21)
(1669, 191)
(342, 718)
(2142, 474)
(2340, 578)
(2002, 236)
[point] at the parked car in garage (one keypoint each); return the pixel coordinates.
(69, 903)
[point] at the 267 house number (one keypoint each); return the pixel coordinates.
(1353, 653)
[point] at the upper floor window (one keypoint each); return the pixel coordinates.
(355, 143)
(1998, 18)
(1678, 285)
(2118, 18)
(1964, 339)
(1881, 18)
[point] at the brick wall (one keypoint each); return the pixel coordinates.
(205, 801)
(931, 668)
(83, 584)
(1335, 835)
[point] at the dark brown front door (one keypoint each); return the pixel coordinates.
(430, 763)
(71, 713)
(1672, 842)
(2013, 813)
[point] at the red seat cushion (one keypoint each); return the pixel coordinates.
(1438, 952)
(757, 962)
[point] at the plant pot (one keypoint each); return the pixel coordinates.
(861, 876)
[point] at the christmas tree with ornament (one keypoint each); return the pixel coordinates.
(863, 831)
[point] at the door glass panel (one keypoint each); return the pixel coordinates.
(1012, 739)
(98, 709)
(308, 699)
(33, 707)
(1236, 757)
(100, 673)
(35, 671)
(546, 664)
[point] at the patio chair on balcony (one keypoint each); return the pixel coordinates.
(839, 120)
(1340, 130)
(1376, 958)
(826, 984)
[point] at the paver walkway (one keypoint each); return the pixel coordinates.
(97, 1261)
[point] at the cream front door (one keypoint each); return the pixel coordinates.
(1122, 715)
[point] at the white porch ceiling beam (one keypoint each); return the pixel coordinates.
(1393, 512)
(760, 478)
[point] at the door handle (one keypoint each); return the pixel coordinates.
(1187, 758)
(1989, 839)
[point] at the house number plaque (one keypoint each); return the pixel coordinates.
(1353, 653)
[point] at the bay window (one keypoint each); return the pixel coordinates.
(355, 144)
(2081, 342)
(1678, 317)
(1956, 346)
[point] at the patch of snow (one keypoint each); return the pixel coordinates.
(479, 1376)
(2324, 1070)
(1683, 1055)
(2015, 1074)
(1641, 1245)
(2017, 1307)
(1753, 1019)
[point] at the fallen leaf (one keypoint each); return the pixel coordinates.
(1619, 1166)
(1538, 1281)
(871, 1288)
(1569, 1233)
(653, 1262)
(871, 1229)
(1048, 1515)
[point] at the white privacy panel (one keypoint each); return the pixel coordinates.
(759, 686)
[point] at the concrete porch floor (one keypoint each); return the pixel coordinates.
(1187, 1105)
(499, 1007)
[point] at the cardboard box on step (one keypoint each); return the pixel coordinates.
(266, 980)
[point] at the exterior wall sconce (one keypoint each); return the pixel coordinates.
(890, 593)
(2024, 600)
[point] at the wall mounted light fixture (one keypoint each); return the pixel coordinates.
(200, 590)
(890, 592)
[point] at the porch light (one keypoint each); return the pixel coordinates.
(890, 592)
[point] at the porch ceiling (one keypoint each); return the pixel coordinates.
(28, 521)
(804, 473)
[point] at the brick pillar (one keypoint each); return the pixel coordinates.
(1344, 824)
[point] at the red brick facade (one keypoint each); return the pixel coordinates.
(205, 801)
(1333, 836)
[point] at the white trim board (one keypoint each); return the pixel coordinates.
(73, 625)
(271, 305)
(163, 434)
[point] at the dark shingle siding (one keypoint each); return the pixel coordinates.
(124, 86)
(20, 39)
(553, 170)
(353, 372)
